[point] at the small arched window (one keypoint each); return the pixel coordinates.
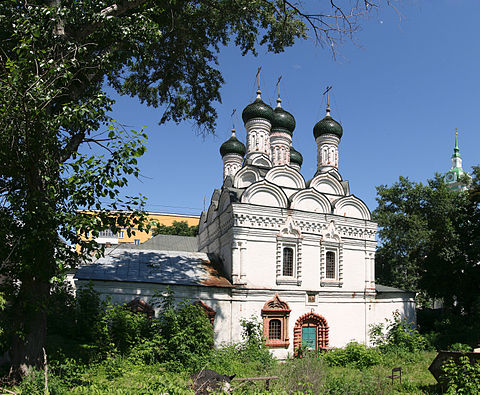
(288, 261)
(330, 265)
(274, 330)
(275, 323)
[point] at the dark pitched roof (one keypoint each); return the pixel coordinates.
(383, 288)
(154, 266)
(166, 243)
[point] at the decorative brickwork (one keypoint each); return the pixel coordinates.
(138, 305)
(208, 311)
(275, 315)
(311, 320)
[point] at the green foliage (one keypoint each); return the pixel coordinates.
(461, 376)
(122, 329)
(185, 335)
(62, 309)
(397, 335)
(303, 375)
(179, 228)
(89, 310)
(429, 235)
(355, 355)
(460, 347)
(246, 358)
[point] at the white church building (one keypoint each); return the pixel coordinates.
(299, 255)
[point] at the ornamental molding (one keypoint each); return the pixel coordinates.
(276, 304)
(290, 230)
(330, 234)
(289, 236)
(259, 221)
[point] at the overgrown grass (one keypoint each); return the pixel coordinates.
(309, 375)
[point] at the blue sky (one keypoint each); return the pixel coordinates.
(399, 93)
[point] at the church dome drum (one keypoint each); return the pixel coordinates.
(327, 125)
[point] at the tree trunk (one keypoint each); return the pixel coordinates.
(30, 323)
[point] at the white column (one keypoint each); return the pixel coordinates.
(367, 271)
(372, 270)
(243, 247)
(235, 263)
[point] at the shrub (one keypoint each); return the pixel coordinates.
(246, 358)
(355, 355)
(89, 311)
(302, 375)
(121, 329)
(460, 347)
(461, 376)
(397, 335)
(452, 328)
(61, 310)
(185, 335)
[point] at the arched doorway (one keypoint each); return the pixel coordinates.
(311, 330)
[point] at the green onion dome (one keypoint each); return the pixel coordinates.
(327, 125)
(257, 109)
(283, 121)
(295, 156)
(232, 146)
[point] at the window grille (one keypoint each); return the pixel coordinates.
(288, 261)
(330, 265)
(274, 330)
(137, 242)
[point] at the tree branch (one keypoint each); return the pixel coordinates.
(112, 11)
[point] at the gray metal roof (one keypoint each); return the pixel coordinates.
(383, 288)
(153, 266)
(167, 243)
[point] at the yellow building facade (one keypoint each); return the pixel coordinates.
(122, 237)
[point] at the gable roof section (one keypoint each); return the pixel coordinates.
(166, 243)
(154, 266)
(384, 289)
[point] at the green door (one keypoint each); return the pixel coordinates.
(309, 337)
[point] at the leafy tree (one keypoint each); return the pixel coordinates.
(179, 228)
(429, 241)
(56, 59)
